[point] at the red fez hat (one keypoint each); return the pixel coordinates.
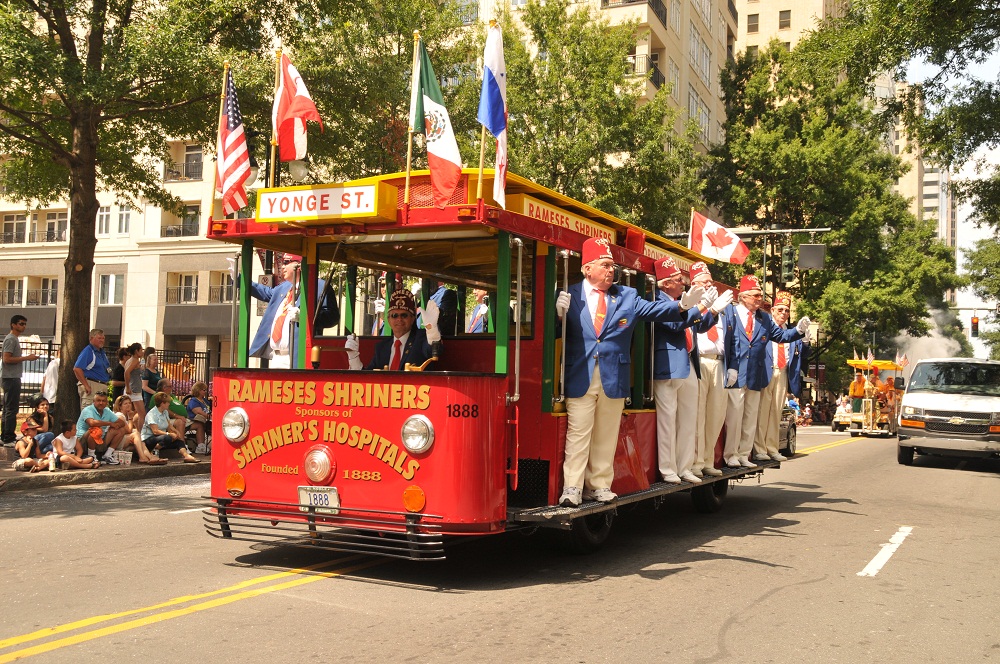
(401, 299)
(783, 299)
(666, 268)
(594, 249)
(699, 269)
(748, 283)
(291, 258)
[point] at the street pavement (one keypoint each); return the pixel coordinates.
(123, 571)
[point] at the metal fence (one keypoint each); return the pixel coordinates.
(183, 368)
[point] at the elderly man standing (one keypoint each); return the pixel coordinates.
(748, 332)
(10, 377)
(676, 374)
(600, 317)
(92, 369)
(787, 360)
(712, 384)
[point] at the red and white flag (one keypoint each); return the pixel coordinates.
(904, 362)
(715, 241)
(232, 158)
(871, 358)
(855, 353)
(292, 107)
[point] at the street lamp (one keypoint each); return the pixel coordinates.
(298, 169)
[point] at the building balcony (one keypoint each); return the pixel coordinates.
(733, 12)
(643, 65)
(11, 298)
(468, 13)
(220, 294)
(13, 237)
(40, 297)
(48, 236)
(180, 230)
(182, 295)
(656, 6)
(190, 170)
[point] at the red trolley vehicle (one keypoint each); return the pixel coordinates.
(399, 463)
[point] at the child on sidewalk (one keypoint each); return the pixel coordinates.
(70, 450)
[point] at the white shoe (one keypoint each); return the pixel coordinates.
(713, 472)
(600, 495)
(761, 457)
(779, 457)
(570, 497)
(672, 478)
(733, 462)
(110, 460)
(747, 463)
(688, 476)
(697, 472)
(200, 449)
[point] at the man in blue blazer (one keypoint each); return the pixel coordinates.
(748, 334)
(676, 372)
(787, 360)
(600, 318)
(407, 345)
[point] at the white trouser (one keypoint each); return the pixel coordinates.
(676, 399)
(280, 360)
(711, 411)
(741, 421)
(772, 399)
(592, 425)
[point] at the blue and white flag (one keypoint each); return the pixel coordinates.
(493, 107)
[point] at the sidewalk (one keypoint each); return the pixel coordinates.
(13, 480)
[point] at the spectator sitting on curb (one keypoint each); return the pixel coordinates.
(198, 416)
(176, 410)
(69, 449)
(39, 426)
(157, 432)
(92, 429)
(124, 410)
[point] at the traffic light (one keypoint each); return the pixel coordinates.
(788, 264)
(975, 326)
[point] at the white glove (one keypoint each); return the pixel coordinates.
(562, 303)
(724, 300)
(709, 297)
(692, 297)
(379, 305)
(415, 288)
(731, 377)
(430, 320)
(803, 324)
(353, 356)
(232, 267)
(293, 314)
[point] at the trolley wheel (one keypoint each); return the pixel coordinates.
(588, 533)
(708, 498)
(790, 444)
(904, 455)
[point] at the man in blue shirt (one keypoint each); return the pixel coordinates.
(92, 429)
(92, 369)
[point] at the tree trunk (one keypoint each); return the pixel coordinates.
(79, 265)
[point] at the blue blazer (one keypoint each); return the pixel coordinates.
(416, 351)
(670, 355)
(798, 359)
(273, 296)
(612, 352)
(752, 357)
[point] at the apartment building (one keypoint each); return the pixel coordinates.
(156, 279)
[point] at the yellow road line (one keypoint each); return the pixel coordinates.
(87, 622)
(178, 613)
(826, 446)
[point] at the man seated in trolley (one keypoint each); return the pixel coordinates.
(406, 347)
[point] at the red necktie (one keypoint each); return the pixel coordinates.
(782, 360)
(713, 334)
(396, 353)
(602, 311)
(279, 321)
(749, 326)
(479, 314)
(690, 342)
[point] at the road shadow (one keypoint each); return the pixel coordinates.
(967, 464)
(645, 543)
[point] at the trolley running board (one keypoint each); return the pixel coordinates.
(555, 516)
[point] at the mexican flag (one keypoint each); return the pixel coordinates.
(428, 116)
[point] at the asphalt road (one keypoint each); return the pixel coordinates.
(113, 572)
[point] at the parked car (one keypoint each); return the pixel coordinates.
(951, 407)
(786, 432)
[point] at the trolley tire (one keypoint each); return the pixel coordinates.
(790, 444)
(588, 533)
(708, 498)
(904, 455)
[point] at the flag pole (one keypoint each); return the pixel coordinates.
(482, 143)
(218, 146)
(274, 136)
(414, 91)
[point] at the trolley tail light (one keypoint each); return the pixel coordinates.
(319, 465)
(414, 498)
(236, 485)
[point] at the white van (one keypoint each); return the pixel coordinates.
(951, 407)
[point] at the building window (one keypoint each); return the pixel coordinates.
(675, 79)
(124, 216)
(50, 289)
(752, 51)
(104, 220)
(185, 291)
(788, 46)
(192, 162)
(55, 226)
(517, 4)
(112, 287)
(221, 291)
(13, 294)
(784, 19)
(753, 23)
(675, 16)
(15, 227)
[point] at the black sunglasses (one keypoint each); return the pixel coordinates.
(402, 315)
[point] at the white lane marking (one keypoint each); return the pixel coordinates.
(193, 509)
(887, 550)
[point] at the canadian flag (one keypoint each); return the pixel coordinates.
(715, 241)
(292, 107)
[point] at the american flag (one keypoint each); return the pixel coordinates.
(904, 362)
(871, 358)
(233, 159)
(855, 353)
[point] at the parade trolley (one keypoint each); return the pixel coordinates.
(877, 417)
(401, 463)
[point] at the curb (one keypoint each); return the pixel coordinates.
(11, 480)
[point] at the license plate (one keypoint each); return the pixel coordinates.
(323, 499)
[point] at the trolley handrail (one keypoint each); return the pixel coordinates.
(628, 273)
(511, 399)
(562, 359)
(652, 348)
